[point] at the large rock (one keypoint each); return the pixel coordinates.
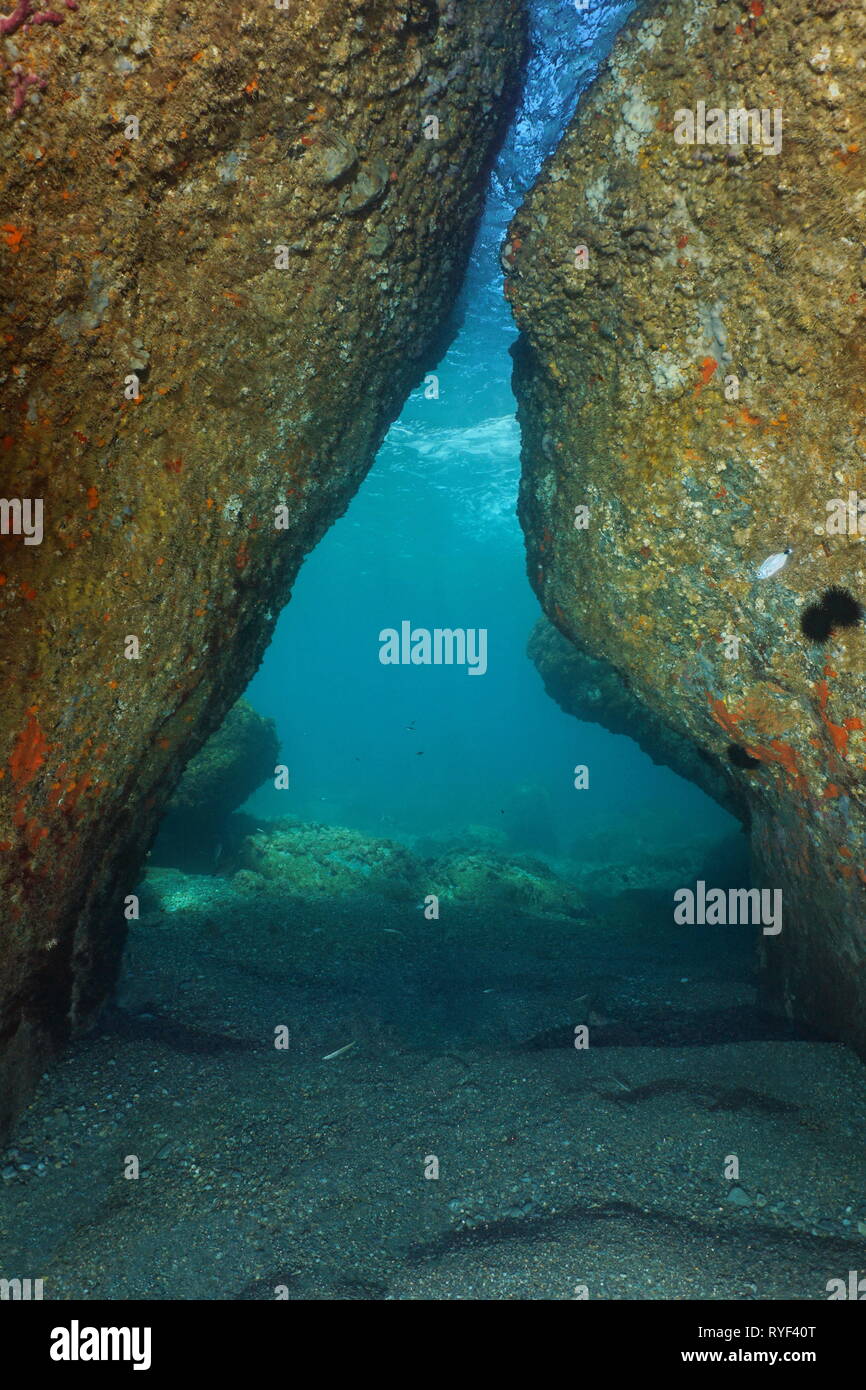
(229, 249)
(325, 861)
(698, 383)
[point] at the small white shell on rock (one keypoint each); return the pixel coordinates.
(773, 564)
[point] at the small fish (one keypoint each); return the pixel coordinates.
(774, 563)
(339, 1052)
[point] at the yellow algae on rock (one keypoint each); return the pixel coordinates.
(740, 261)
(202, 326)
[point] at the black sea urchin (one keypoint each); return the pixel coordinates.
(838, 608)
(816, 623)
(842, 608)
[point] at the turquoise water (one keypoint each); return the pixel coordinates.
(432, 538)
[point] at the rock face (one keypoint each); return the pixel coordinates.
(229, 248)
(691, 370)
(597, 692)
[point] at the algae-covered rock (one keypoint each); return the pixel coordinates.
(325, 861)
(488, 883)
(688, 276)
(202, 354)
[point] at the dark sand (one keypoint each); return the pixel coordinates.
(558, 1168)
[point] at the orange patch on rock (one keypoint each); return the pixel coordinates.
(13, 236)
(838, 732)
(76, 789)
(30, 751)
(709, 365)
(839, 735)
(784, 756)
(721, 715)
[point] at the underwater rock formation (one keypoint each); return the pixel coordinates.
(495, 883)
(597, 692)
(325, 861)
(232, 239)
(689, 278)
(308, 861)
(237, 759)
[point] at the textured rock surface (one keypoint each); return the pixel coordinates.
(316, 862)
(500, 884)
(596, 691)
(258, 387)
(708, 262)
(325, 861)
